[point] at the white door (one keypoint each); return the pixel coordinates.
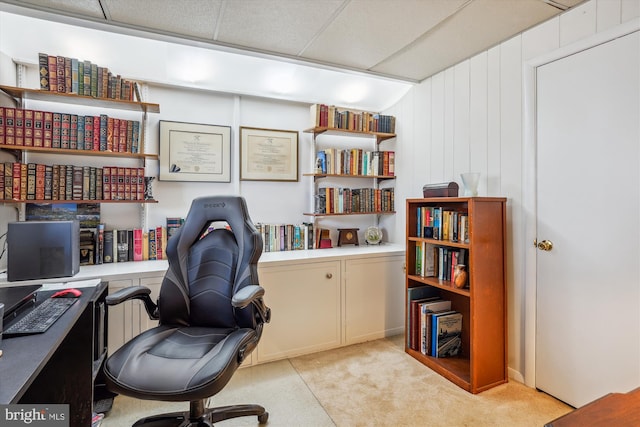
(588, 192)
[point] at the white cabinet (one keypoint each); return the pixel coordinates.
(374, 298)
(305, 309)
(128, 319)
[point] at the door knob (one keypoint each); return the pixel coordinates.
(545, 245)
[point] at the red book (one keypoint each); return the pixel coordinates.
(159, 242)
(19, 126)
(96, 133)
(16, 180)
(65, 130)
(2, 140)
(9, 126)
(137, 244)
(57, 130)
(116, 135)
(122, 140)
(38, 128)
(47, 133)
(53, 73)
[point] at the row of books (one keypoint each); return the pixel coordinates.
(442, 224)
(35, 181)
(70, 75)
(355, 162)
(434, 328)
(286, 237)
(354, 200)
(35, 128)
(330, 116)
(102, 246)
(438, 261)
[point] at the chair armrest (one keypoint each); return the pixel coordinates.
(135, 292)
(252, 294)
(247, 295)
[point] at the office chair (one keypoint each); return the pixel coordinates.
(210, 311)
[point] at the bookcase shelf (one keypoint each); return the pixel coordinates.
(40, 95)
(482, 361)
(379, 136)
(49, 201)
(350, 213)
(337, 175)
(74, 152)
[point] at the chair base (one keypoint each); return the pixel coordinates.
(210, 416)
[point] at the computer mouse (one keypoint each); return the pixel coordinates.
(67, 293)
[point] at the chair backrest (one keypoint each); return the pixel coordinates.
(204, 272)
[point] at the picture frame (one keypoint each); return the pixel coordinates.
(268, 154)
(194, 152)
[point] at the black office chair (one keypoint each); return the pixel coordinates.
(211, 314)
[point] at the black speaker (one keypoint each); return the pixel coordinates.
(42, 249)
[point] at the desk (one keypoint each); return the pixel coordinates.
(613, 409)
(57, 366)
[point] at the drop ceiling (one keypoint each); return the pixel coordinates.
(407, 40)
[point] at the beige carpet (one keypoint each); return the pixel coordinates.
(369, 384)
(377, 384)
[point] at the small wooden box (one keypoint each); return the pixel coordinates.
(444, 189)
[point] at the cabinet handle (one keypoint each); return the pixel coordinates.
(329, 275)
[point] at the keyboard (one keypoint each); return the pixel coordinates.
(40, 318)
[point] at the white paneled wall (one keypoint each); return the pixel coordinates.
(470, 117)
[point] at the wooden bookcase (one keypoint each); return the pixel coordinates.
(482, 362)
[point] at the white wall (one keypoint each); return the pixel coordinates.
(470, 117)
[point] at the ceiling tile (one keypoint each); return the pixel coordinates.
(283, 26)
(368, 31)
(476, 27)
(89, 8)
(193, 18)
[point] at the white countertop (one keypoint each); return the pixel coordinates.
(157, 268)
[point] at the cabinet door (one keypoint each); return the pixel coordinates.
(374, 298)
(305, 309)
(120, 320)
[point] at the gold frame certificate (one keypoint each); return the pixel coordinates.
(268, 155)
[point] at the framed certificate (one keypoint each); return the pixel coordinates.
(268, 154)
(194, 152)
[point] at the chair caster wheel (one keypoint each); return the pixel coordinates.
(262, 419)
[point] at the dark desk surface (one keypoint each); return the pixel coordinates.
(24, 357)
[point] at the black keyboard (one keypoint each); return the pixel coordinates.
(40, 318)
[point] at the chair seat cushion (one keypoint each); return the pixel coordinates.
(177, 363)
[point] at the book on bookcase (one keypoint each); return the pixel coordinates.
(446, 334)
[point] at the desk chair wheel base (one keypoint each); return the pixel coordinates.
(206, 419)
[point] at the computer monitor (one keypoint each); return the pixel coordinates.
(42, 249)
